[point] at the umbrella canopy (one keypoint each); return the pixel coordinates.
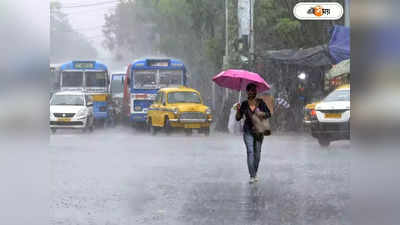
(239, 79)
(339, 69)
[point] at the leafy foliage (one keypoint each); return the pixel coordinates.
(65, 43)
(190, 30)
(277, 28)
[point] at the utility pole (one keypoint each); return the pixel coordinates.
(226, 61)
(347, 13)
(226, 57)
(251, 41)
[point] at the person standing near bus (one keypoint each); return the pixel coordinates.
(252, 140)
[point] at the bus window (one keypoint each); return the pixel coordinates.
(72, 79)
(117, 86)
(170, 78)
(96, 79)
(118, 77)
(145, 79)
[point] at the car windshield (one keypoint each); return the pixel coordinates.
(67, 100)
(338, 95)
(72, 79)
(170, 78)
(96, 79)
(183, 97)
(145, 79)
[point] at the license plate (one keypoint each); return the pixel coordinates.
(333, 115)
(192, 126)
(64, 119)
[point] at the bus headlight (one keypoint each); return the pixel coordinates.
(208, 111)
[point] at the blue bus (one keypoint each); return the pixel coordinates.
(145, 78)
(90, 77)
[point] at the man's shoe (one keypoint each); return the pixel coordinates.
(256, 179)
(252, 180)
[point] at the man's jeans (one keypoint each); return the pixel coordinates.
(253, 145)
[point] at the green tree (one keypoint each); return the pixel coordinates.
(190, 30)
(277, 28)
(66, 43)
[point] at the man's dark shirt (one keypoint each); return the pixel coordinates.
(245, 110)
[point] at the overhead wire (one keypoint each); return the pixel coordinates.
(86, 12)
(88, 5)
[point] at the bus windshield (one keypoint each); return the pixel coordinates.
(95, 79)
(72, 79)
(183, 97)
(117, 86)
(145, 79)
(170, 78)
(67, 100)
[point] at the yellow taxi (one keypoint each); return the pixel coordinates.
(179, 107)
(309, 114)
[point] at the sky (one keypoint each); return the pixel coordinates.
(87, 17)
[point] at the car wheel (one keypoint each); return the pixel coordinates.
(91, 129)
(324, 142)
(53, 130)
(88, 126)
(188, 132)
(167, 126)
(207, 131)
(152, 129)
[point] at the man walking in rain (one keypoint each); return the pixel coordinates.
(252, 140)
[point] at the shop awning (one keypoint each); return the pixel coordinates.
(312, 57)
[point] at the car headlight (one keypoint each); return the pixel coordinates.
(208, 111)
(82, 113)
(51, 116)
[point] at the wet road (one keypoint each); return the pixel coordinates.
(119, 176)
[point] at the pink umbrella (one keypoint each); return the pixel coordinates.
(239, 79)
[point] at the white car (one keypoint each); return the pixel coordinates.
(71, 110)
(332, 117)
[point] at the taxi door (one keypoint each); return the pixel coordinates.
(155, 111)
(162, 109)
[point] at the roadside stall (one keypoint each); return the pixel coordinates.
(302, 72)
